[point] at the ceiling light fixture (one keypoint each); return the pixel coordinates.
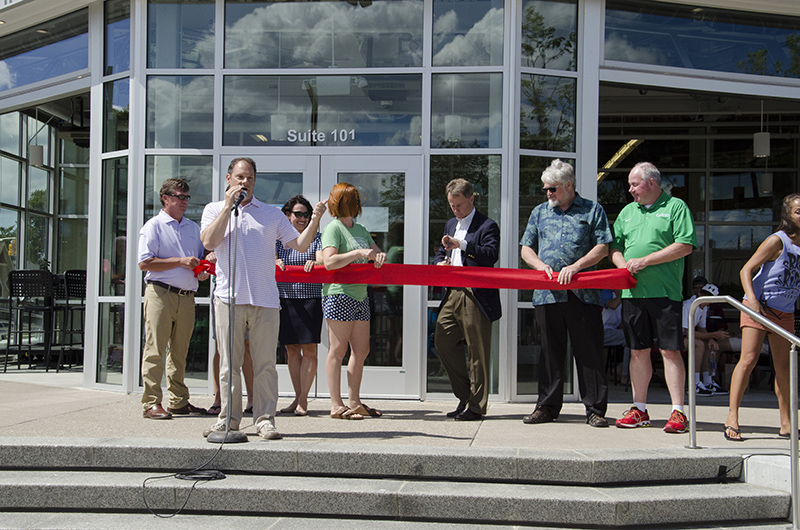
(761, 139)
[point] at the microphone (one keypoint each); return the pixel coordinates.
(242, 196)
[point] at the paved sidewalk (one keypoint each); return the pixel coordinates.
(39, 404)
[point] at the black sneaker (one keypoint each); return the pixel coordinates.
(701, 390)
(596, 420)
(717, 390)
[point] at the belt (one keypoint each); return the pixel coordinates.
(171, 288)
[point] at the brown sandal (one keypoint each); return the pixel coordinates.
(352, 414)
(364, 410)
(339, 413)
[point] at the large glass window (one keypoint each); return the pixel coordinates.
(57, 47)
(197, 170)
(180, 111)
(29, 190)
(729, 247)
(687, 36)
(9, 238)
(467, 33)
(110, 338)
(549, 34)
(547, 113)
(740, 196)
(39, 190)
(180, 34)
(114, 217)
(73, 207)
(37, 237)
(197, 356)
(326, 34)
(10, 133)
(703, 145)
(467, 110)
(9, 181)
(118, 36)
(73, 235)
(322, 110)
(115, 110)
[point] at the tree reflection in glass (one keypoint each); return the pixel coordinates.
(549, 37)
(547, 113)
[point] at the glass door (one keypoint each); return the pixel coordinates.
(391, 188)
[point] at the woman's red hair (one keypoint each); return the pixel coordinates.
(344, 201)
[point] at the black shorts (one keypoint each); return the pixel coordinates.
(652, 321)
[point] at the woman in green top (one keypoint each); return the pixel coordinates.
(346, 307)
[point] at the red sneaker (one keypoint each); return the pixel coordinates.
(677, 422)
(633, 418)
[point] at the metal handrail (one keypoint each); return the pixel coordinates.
(794, 341)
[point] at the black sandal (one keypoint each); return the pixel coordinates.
(731, 438)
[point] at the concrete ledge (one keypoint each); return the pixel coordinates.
(144, 521)
(365, 460)
(769, 471)
(373, 498)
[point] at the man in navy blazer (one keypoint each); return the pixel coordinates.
(465, 315)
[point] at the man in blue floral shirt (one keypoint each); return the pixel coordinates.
(565, 235)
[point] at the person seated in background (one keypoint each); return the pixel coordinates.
(733, 346)
(717, 321)
(613, 335)
(706, 345)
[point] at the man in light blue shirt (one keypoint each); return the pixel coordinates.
(565, 235)
(169, 250)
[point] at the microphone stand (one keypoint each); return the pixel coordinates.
(229, 436)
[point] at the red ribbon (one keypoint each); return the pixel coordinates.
(205, 266)
(447, 276)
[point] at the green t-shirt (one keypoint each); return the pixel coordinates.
(344, 240)
(639, 231)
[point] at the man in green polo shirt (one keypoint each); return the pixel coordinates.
(652, 235)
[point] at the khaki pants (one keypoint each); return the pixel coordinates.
(263, 324)
(168, 320)
(461, 323)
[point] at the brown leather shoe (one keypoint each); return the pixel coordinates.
(157, 412)
(539, 415)
(188, 409)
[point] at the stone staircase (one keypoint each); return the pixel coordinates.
(675, 488)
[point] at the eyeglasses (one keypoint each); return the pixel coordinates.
(302, 214)
(181, 197)
(550, 189)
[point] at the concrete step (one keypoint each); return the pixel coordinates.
(125, 521)
(295, 479)
(528, 466)
(413, 500)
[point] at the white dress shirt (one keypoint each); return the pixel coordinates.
(461, 233)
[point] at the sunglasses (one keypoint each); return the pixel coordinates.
(302, 214)
(182, 197)
(550, 189)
